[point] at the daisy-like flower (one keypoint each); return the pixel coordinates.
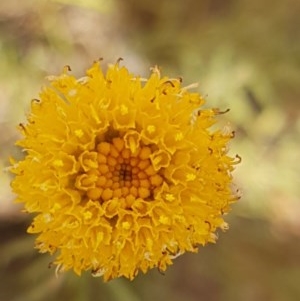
(124, 174)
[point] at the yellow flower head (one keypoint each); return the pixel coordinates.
(123, 174)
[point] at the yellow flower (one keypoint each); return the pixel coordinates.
(123, 174)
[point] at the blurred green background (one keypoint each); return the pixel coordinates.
(246, 57)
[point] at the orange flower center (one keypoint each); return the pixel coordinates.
(114, 171)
